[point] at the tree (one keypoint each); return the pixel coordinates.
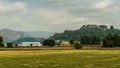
(96, 40)
(116, 40)
(77, 45)
(49, 42)
(87, 40)
(9, 45)
(71, 42)
(1, 42)
(108, 43)
(112, 41)
(111, 27)
(1, 39)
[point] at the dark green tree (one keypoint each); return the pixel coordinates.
(9, 45)
(1, 39)
(77, 45)
(71, 42)
(96, 40)
(86, 40)
(112, 41)
(111, 27)
(1, 42)
(49, 42)
(108, 43)
(116, 40)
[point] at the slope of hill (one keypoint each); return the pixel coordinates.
(11, 35)
(87, 30)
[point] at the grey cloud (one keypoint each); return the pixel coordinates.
(58, 15)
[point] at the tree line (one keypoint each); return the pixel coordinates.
(112, 40)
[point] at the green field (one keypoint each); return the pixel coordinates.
(60, 59)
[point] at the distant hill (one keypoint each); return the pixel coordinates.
(89, 30)
(12, 35)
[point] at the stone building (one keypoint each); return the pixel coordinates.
(95, 27)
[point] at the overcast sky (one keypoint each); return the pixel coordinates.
(57, 15)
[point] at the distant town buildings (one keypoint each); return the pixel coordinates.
(98, 27)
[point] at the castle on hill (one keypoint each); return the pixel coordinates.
(95, 27)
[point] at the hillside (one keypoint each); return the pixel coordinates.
(12, 35)
(90, 30)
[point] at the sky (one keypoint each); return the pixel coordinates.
(57, 15)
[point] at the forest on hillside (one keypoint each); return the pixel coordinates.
(91, 30)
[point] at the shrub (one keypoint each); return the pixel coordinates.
(77, 45)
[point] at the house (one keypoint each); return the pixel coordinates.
(31, 44)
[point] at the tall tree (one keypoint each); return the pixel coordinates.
(96, 40)
(1, 42)
(87, 40)
(1, 39)
(71, 42)
(49, 42)
(112, 41)
(111, 27)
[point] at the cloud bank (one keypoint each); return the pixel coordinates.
(57, 15)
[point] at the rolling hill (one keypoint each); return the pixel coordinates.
(12, 35)
(86, 30)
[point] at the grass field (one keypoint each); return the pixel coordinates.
(60, 59)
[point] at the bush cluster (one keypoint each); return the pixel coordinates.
(49, 42)
(90, 40)
(9, 45)
(111, 41)
(77, 45)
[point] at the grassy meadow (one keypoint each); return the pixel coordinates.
(60, 59)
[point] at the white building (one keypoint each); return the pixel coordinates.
(31, 44)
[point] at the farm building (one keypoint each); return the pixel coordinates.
(31, 44)
(65, 43)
